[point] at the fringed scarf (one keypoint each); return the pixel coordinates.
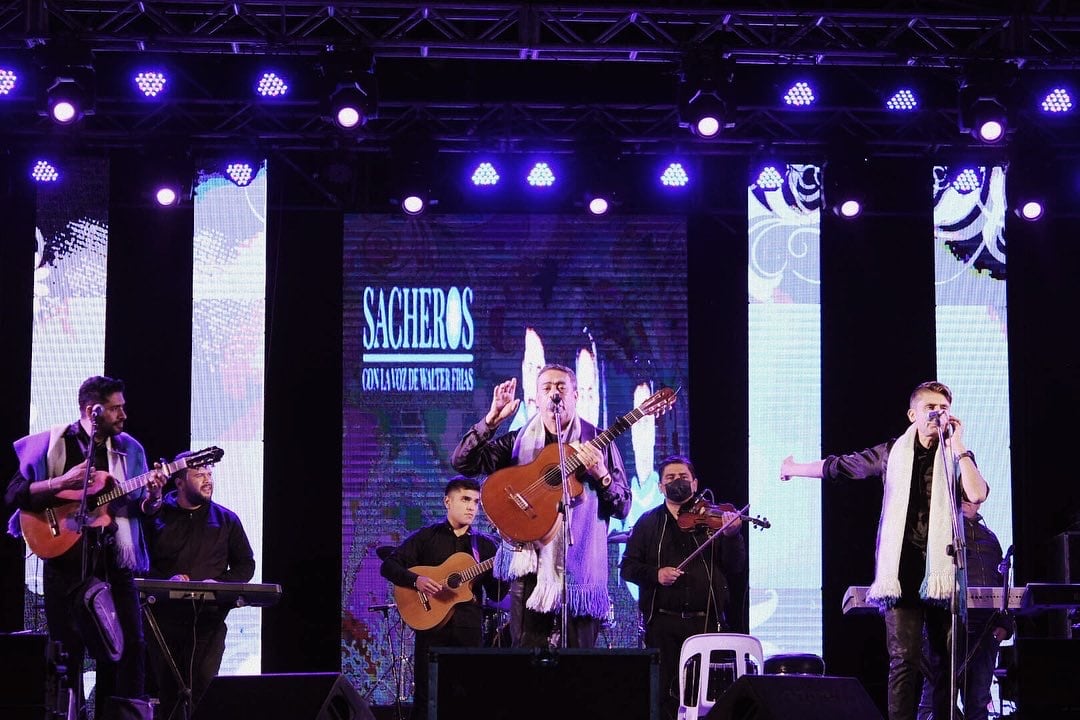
(939, 578)
(586, 558)
(55, 460)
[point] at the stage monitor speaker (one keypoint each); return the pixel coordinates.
(533, 684)
(296, 696)
(31, 687)
(1046, 677)
(782, 697)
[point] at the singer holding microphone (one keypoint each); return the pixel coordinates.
(914, 574)
(674, 603)
(55, 460)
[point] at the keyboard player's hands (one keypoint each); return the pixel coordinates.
(185, 578)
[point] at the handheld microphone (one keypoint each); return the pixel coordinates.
(935, 414)
(1004, 566)
(97, 411)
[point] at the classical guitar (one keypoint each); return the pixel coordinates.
(522, 501)
(51, 532)
(422, 611)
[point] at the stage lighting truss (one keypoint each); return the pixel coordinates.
(706, 95)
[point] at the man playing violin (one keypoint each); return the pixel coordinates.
(677, 603)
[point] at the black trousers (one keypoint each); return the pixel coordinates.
(197, 644)
(532, 629)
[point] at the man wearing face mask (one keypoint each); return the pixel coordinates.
(676, 604)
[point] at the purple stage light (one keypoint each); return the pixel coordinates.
(485, 175)
(541, 175)
(850, 209)
(966, 181)
(43, 172)
(1031, 210)
(150, 83)
(1057, 100)
(674, 176)
(166, 196)
(240, 173)
(799, 95)
(598, 205)
(348, 117)
(413, 205)
(8, 80)
(64, 112)
(707, 126)
(992, 130)
(770, 178)
(903, 100)
(271, 85)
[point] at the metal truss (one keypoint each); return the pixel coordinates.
(638, 48)
(895, 34)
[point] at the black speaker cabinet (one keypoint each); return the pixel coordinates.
(296, 696)
(1046, 678)
(523, 684)
(784, 697)
(1067, 557)
(30, 683)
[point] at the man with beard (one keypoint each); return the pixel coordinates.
(54, 461)
(194, 538)
(676, 604)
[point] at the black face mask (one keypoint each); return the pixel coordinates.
(678, 491)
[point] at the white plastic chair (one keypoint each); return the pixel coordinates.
(724, 657)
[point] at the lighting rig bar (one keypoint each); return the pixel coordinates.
(903, 35)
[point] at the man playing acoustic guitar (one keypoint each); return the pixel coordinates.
(52, 464)
(536, 592)
(446, 594)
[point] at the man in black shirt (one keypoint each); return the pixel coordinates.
(674, 603)
(194, 538)
(432, 546)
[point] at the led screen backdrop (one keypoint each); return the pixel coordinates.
(437, 310)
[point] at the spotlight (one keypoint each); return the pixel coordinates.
(903, 100)
(1057, 101)
(150, 83)
(985, 101)
(540, 176)
(706, 94)
(1031, 210)
(800, 95)
(413, 204)
(674, 176)
(241, 172)
(271, 85)
(9, 79)
(850, 208)
(597, 204)
(44, 172)
(67, 101)
(485, 175)
(350, 86)
(167, 195)
(846, 177)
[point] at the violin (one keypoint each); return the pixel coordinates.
(711, 515)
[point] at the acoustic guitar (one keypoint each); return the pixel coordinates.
(422, 611)
(51, 532)
(522, 501)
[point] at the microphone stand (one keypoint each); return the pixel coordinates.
(81, 517)
(568, 537)
(958, 551)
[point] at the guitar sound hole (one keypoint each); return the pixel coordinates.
(453, 581)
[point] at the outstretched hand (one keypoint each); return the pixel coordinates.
(787, 468)
(503, 402)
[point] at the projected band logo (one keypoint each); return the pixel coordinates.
(418, 339)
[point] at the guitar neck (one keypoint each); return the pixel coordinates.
(130, 485)
(605, 437)
(477, 570)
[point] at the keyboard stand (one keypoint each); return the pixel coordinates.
(183, 699)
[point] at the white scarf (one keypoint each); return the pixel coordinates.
(939, 579)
